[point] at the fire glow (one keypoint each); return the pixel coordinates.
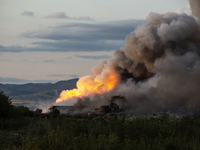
(158, 68)
(91, 85)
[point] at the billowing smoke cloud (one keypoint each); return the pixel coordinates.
(159, 65)
(195, 5)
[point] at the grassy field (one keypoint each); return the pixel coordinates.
(97, 133)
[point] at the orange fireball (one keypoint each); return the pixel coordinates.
(91, 85)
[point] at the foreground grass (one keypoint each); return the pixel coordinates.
(89, 133)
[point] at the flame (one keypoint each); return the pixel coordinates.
(91, 85)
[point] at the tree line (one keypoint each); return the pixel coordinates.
(7, 110)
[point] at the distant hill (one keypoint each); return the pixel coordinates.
(37, 91)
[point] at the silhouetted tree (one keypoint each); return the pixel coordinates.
(24, 111)
(54, 111)
(38, 111)
(116, 103)
(5, 105)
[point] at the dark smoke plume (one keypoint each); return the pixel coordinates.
(159, 65)
(195, 5)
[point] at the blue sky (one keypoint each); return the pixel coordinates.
(48, 40)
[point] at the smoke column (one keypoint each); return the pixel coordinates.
(159, 67)
(195, 5)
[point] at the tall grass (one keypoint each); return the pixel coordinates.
(88, 133)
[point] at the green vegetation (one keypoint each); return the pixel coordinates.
(39, 111)
(5, 105)
(58, 132)
(54, 111)
(9, 111)
(67, 132)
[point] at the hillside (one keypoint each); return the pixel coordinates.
(37, 91)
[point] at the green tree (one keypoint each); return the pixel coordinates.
(5, 105)
(54, 111)
(24, 111)
(38, 111)
(117, 103)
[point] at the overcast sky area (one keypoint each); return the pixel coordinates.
(48, 40)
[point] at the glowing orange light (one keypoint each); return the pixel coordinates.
(91, 85)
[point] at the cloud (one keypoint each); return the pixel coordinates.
(57, 75)
(49, 60)
(83, 36)
(18, 48)
(27, 13)
(73, 75)
(62, 15)
(69, 58)
(93, 56)
(74, 46)
(115, 30)
(83, 18)
(57, 15)
(12, 49)
(76, 37)
(65, 46)
(1, 47)
(9, 80)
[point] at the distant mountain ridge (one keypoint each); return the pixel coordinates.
(37, 91)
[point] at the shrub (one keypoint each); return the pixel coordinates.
(54, 111)
(38, 111)
(5, 105)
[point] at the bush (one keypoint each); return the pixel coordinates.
(5, 105)
(9, 111)
(24, 111)
(70, 132)
(38, 111)
(55, 111)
